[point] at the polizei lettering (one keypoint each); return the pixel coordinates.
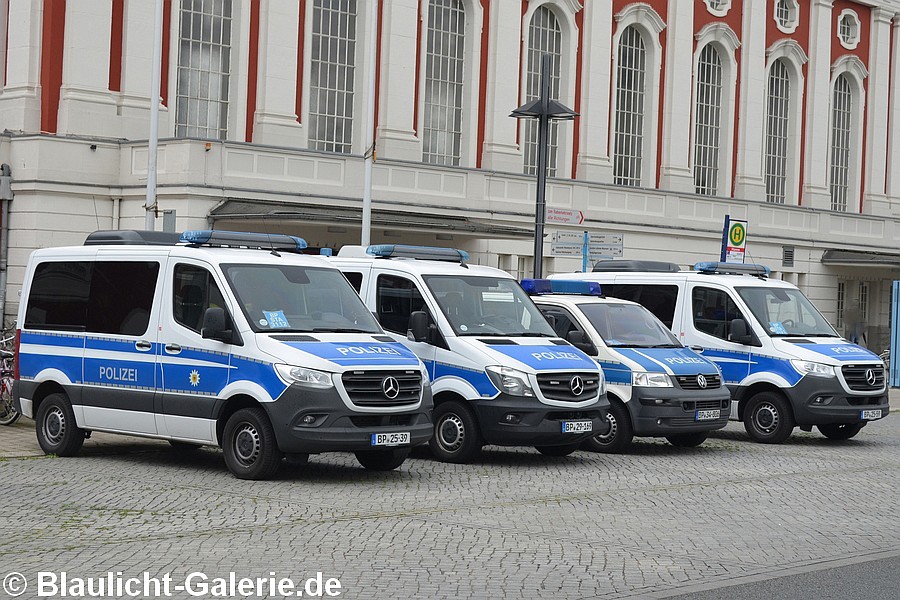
(685, 360)
(362, 350)
(118, 374)
(547, 355)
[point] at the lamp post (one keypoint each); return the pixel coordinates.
(544, 109)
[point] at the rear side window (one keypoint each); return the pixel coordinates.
(658, 299)
(713, 311)
(59, 295)
(355, 280)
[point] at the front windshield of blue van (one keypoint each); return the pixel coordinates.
(785, 312)
(628, 326)
(298, 299)
(487, 306)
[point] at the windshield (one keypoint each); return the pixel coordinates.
(294, 298)
(628, 326)
(487, 306)
(785, 312)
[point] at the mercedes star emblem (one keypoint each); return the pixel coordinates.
(701, 382)
(577, 385)
(390, 387)
(870, 377)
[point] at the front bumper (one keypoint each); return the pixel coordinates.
(677, 413)
(538, 424)
(338, 428)
(835, 405)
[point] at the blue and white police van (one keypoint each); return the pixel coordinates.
(500, 374)
(219, 338)
(656, 386)
(784, 364)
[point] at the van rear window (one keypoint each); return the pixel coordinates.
(59, 296)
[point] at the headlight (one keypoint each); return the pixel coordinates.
(510, 381)
(426, 380)
(602, 381)
(307, 377)
(813, 369)
(651, 380)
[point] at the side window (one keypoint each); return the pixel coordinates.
(563, 322)
(396, 299)
(658, 299)
(195, 290)
(121, 297)
(355, 280)
(59, 296)
(713, 311)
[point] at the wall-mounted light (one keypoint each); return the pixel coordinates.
(445, 236)
(336, 229)
(93, 147)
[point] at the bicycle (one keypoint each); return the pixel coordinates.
(8, 412)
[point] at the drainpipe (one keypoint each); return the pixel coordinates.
(6, 196)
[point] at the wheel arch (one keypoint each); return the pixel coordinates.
(231, 406)
(745, 394)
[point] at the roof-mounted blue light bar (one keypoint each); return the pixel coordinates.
(243, 239)
(536, 287)
(419, 252)
(721, 268)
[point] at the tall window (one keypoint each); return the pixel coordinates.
(708, 121)
(442, 129)
(630, 97)
(332, 73)
(841, 291)
(777, 132)
(544, 37)
(204, 65)
(841, 115)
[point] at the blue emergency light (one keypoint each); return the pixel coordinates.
(721, 268)
(243, 239)
(419, 252)
(537, 287)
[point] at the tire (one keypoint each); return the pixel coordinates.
(688, 440)
(558, 450)
(251, 451)
(840, 431)
(768, 418)
(184, 446)
(382, 460)
(55, 427)
(457, 438)
(621, 432)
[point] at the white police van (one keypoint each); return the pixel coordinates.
(784, 364)
(500, 374)
(656, 386)
(229, 339)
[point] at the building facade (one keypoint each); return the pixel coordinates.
(785, 113)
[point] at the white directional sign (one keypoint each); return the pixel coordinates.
(571, 243)
(564, 216)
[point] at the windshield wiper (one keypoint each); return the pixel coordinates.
(341, 330)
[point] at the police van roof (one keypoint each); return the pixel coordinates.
(357, 255)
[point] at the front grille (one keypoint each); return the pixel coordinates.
(858, 378)
(366, 388)
(689, 382)
(706, 405)
(382, 420)
(867, 401)
(558, 386)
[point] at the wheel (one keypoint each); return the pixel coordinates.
(183, 446)
(8, 412)
(840, 431)
(620, 435)
(768, 418)
(557, 450)
(55, 427)
(456, 435)
(688, 440)
(251, 451)
(382, 460)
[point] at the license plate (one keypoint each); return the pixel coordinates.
(707, 415)
(390, 439)
(577, 426)
(870, 415)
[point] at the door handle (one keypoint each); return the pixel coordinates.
(173, 348)
(697, 349)
(143, 345)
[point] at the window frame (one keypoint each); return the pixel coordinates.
(729, 299)
(718, 11)
(791, 26)
(855, 73)
(851, 42)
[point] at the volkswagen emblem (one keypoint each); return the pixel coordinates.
(701, 382)
(870, 377)
(577, 385)
(390, 387)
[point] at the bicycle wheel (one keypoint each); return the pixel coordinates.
(8, 412)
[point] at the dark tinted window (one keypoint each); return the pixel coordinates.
(658, 299)
(397, 298)
(355, 280)
(713, 311)
(562, 321)
(59, 296)
(121, 297)
(195, 290)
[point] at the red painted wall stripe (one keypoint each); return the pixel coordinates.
(579, 62)
(6, 41)
(378, 66)
(164, 65)
(252, 70)
(301, 39)
(53, 31)
(418, 66)
(115, 45)
(482, 79)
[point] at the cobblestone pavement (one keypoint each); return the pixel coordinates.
(659, 521)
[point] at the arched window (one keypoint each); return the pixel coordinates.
(544, 37)
(204, 68)
(777, 132)
(631, 73)
(841, 136)
(332, 74)
(444, 76)
(708, 121)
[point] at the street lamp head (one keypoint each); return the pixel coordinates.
(555, 111)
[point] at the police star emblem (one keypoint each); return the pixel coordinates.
(195, 378)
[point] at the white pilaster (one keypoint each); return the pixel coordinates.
(20, 101)
(875, 199)
(137, 60)
(86, 105)
(593, 159)
(675, 170)
(818, 116)
(395, 137)
(748, 181)
(893, 175)
(276, 106)
(501, 151)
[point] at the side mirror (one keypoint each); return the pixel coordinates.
(215, 326)
(580, 340)
(741, 334)
(418, 327)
